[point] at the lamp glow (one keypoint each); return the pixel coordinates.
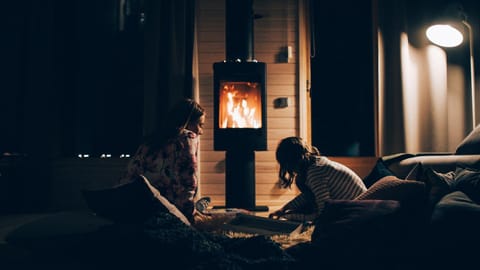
(444, 35)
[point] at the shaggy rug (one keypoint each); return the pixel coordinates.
(213, 223)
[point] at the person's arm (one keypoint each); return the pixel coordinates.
(296, 205)
(300, 217)
(317, 183)
(137, 165)
(186, 174)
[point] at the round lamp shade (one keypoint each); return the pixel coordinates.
(444, 35)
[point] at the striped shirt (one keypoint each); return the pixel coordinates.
(326, 179)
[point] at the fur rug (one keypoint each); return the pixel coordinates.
(213, 223)
(161, 242)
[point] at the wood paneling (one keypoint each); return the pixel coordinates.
(361, 165)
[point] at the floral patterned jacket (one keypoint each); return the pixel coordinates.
(173, 170)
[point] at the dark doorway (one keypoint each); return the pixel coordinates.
(342, 71)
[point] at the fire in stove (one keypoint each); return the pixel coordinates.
(240, 105)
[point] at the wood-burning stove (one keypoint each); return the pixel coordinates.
(240, 125)
(239, 103)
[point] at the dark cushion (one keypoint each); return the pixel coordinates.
(379, 171)
(132, 202)
(416, 173)
(456, 207)
(454, 230)
(471, 144)
(407, 192)
(341, 215)
(437, 184)
(467, 180)
(360, 228)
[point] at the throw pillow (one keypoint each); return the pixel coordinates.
(132, 202)
(393, 188)
(361, 227)
(454, 229)
(456, 208)
(172, 209)
(470, 144)
(467, 180)
(379, 171)
(337, 214)
(437, 184)
(416, 173)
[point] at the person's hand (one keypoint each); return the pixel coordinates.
(277, 214)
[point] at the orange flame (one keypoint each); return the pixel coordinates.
(240, 105)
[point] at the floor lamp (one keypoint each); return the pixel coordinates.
(449, 35)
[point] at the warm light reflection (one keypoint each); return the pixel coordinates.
(240, 105)
(426, 100)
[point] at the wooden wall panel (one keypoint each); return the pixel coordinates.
(361, 165)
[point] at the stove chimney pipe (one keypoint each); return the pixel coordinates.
(239, 30)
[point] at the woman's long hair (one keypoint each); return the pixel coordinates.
(294, 155)
(184, 112)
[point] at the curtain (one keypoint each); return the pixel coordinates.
(169, 35)
(92, 76)
(171, 65)
(423, 99)
(27, 97)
